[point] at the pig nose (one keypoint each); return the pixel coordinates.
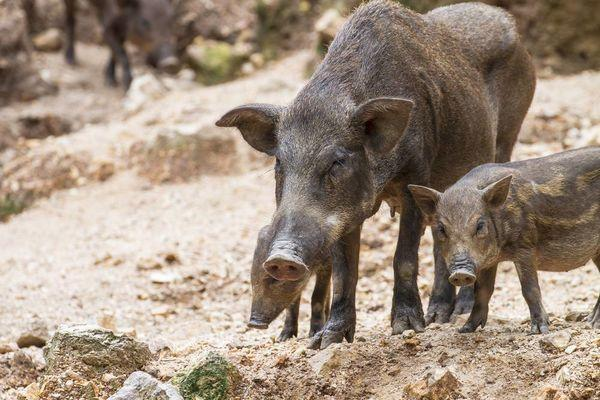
(285, 267)
(257, 323)
(462, 277)
(169, 65)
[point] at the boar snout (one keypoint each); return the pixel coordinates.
(256, 323)
(462, 272)
(285, 266)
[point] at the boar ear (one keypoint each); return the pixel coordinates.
(383, 120)
(495, 194)
(426, 199)
(257, 124)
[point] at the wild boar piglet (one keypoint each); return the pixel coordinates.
(542, 214)
(271, 296)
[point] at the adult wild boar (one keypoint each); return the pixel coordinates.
(146, 23)
(400, 98)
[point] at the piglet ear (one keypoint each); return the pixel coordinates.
(256, 122)
(383, 121)
(426, 199)
(495, 194)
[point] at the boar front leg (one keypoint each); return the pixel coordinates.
(594, 317)
(342, 320)
(484, 287)
(407, 311)
(533, 296)
(443, 294)
(320, 300)
(290, 326)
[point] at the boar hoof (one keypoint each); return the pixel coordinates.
(324, 338)
(540, 325)
(286, 334)
(409, 319)
(438, 312)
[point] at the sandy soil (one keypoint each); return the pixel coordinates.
(171, 261)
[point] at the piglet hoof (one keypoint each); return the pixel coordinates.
(286, 334)
(438, 312)
(540, 325)
(476, 319)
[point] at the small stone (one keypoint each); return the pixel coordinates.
(141, 386)
(108, 321)
(575, 316)
(564, 375)
(326, 361)
(8, 348)
(555, 341)
(300, 352)
(570, 349)
(551, 393)
(165, 277)
(439, 385)
(49, 40)
(36, 336)
(434, 326)
(409, 333)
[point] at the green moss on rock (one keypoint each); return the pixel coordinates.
(214, 61)
(213, 378)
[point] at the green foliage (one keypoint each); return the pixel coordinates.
(10, 206)
(213, 379)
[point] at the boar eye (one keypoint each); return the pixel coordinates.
(441, 229)
(337, 165)
(481, 228)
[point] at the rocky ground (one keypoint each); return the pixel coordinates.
(141, 217)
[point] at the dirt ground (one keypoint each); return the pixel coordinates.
(171, 260)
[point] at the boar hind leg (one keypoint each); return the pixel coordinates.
(464, 302)
(342, 320)
(533, 296)
(290, 326)
(407, 311)
(484, 287)
(443, 295)
(594, 317)
(320, 301)
(115, 38)
(70, 30)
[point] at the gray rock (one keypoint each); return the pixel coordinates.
(142, 386)
(93, 351)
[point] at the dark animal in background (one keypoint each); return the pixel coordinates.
(148, 24)
(542, 214)
(271, 296)
(400, 98)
